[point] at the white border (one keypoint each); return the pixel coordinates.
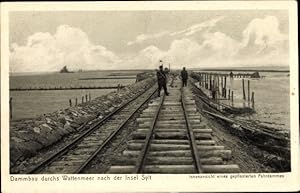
(176, 183)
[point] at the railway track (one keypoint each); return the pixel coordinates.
(172, 139)
(75, 156)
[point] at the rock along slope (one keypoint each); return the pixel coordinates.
(29, 136)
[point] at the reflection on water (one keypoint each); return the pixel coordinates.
(272, 99)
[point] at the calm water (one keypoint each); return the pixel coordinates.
(272, 98)
(272, 102)
(28, 104)
(66, 80)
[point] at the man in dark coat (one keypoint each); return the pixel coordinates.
(184, 77)
(161, 80)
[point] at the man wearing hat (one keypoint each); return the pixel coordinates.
(161, 80)
(184, 77)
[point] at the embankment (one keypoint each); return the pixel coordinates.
(29, 136)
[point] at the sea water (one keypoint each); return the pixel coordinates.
(30, 104)
(271, 98)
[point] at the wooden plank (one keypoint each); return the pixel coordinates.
(141, 158)
(174, 141)
(177, 153)
(221, 168)
(176, 169)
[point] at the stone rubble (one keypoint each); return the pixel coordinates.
(28, 136)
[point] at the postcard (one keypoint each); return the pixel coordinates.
(149, 96)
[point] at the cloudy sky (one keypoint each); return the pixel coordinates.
(46, 41)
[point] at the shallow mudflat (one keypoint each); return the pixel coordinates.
(30, 104)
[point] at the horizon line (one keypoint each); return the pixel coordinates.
(261, 68)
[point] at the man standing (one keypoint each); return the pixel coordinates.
(184, 77)
(161, 80)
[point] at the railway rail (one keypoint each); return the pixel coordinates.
(172, 139)
(75, 156)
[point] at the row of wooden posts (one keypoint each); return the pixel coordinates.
(73, 102)
(244, 93)
(215, 82)
(86, 97)
(230, 75)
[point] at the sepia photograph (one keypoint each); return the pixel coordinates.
(149, 91)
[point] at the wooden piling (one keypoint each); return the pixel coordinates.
(205, 80)
(206, 86)
(248, 90)
(82, 99)
(210, 82)
(70, 102)
(200, 79)
(213, 92)
(10, 107)
(90, 96)
(76, 102)
(252, 99)
(86, 98)
(218, 84)
(229, 94)
(222, 84)
(243, 85)
(225, 91)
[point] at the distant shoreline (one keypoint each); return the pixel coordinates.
(239, 70)
(73, 72)
(245, 69)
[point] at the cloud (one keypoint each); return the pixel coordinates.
(186, 32)
(68, 46)
(216, 49)
(265, 31)
(198, 27)
(262, 40)
(182, 52)
(143, 37)
(262, 44)
(146, 59)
